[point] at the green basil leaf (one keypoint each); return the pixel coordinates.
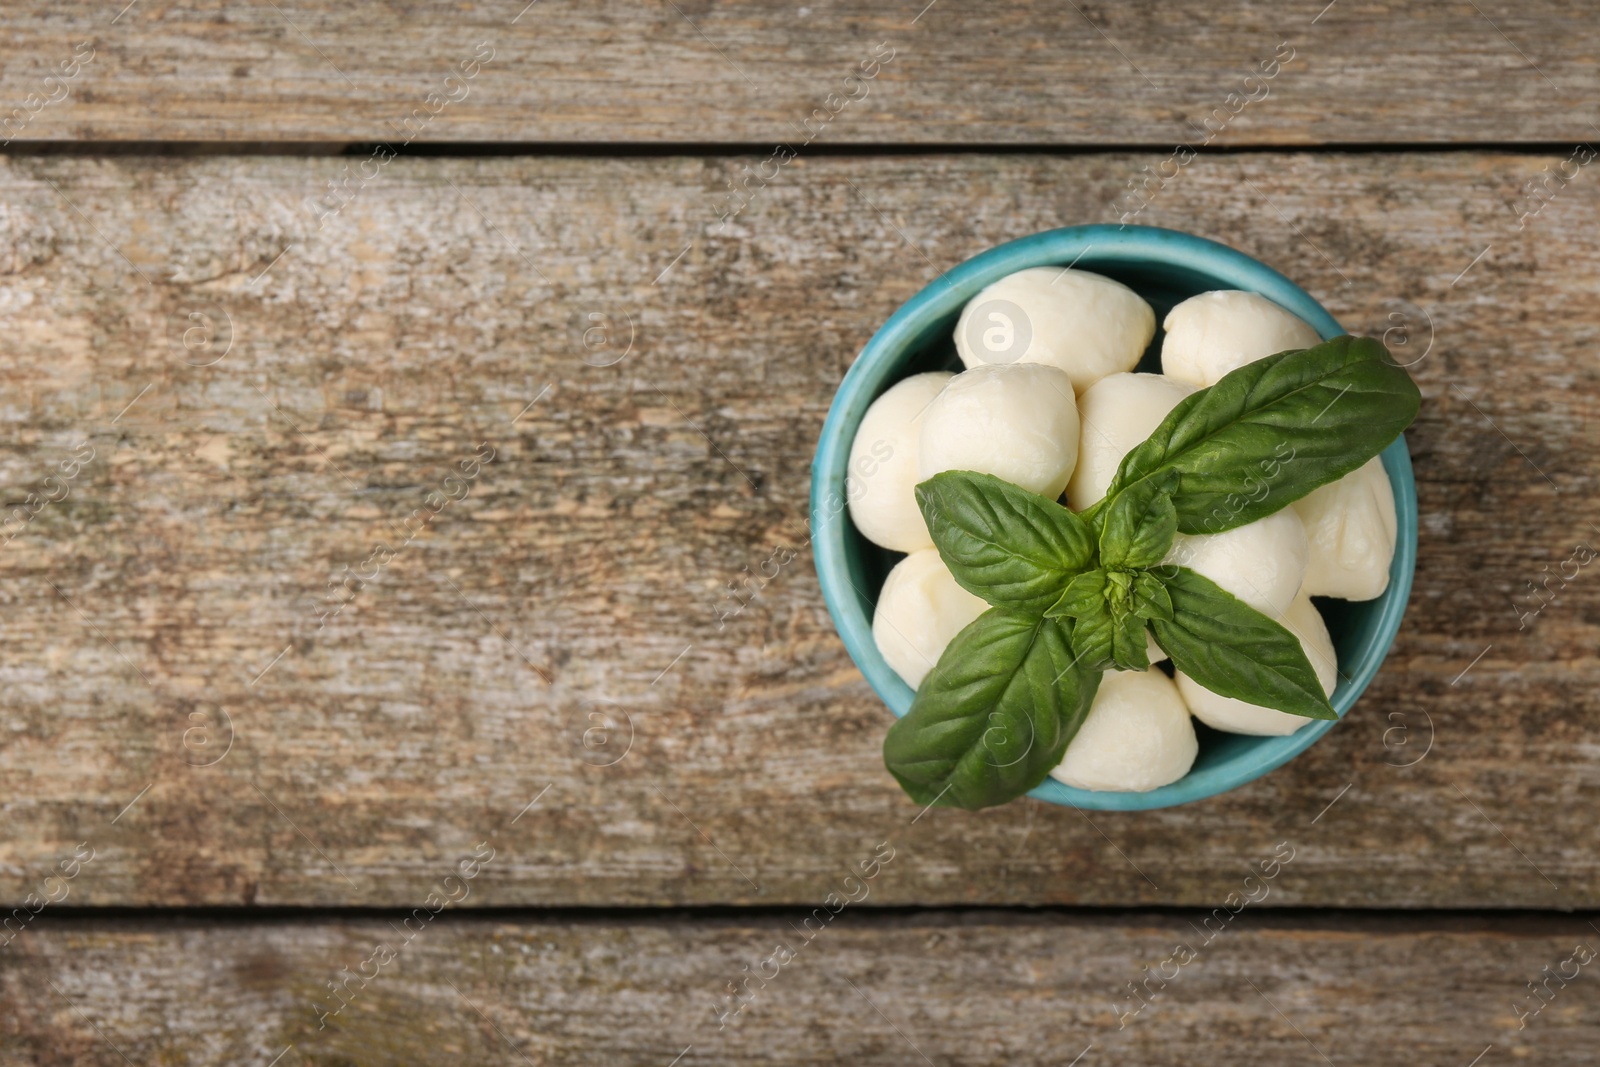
(1128, 651)
(1235, 651)
(1094, 639)
(1271, 431)
(1085, 595)
(1099, 604)
(1150, 598)
(1140, 522)
(1013, 548)
(1119, 591)
(1094, 515)
(994, 716)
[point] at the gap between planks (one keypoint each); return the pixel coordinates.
(717, 149)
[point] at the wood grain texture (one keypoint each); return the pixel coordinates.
(686, 71)
(944, 988)
(176, 587)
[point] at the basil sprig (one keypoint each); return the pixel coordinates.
(1076, 594)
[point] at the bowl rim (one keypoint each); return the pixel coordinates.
(873, 371)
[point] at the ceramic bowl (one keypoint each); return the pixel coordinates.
(1165, 267)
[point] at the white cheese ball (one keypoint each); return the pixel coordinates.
(1116, 413)
(1082, 323)
(1263, 563)
(1214, 333)
(881, 482)
(920, 611)
(1238, 717)
(1350, 524)
(1137, 736)
(1016, 421)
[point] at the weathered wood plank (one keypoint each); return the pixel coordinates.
(179, 582)
(753, 72)
(945, 988)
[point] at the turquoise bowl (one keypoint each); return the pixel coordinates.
(1164, 267)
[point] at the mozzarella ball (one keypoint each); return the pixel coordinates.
(920, 611)
(1214, 333)
(1350, 524)
(881, 482)
(1262, 563)
(1082, 323)
(1016, 421)
(1136, 737)
(1116, 413)
(1238, 717)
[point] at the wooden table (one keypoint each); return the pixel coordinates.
(371, 690)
